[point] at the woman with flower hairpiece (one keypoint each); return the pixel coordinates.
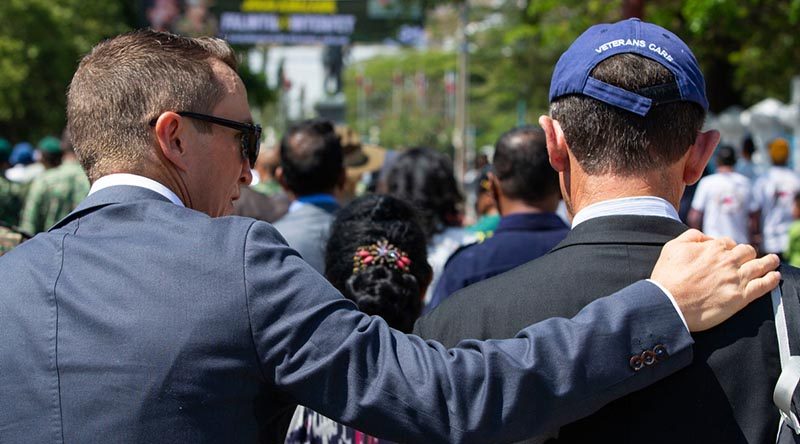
(377, 257)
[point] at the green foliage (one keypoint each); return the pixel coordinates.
(394, 104)
(41, 42)
(259, 93)
(748, 50)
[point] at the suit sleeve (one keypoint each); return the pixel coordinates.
(316, 346)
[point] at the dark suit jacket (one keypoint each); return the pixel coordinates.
(725, 396)
(136, 320)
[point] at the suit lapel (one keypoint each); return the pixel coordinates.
(109, 196)
(624, 229)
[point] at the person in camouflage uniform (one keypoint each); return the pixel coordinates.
(12, 194)
(11, 199)
(9, 238)
(55, 192)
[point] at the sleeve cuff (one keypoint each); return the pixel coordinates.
(671, 299)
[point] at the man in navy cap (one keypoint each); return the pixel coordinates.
(624, 134)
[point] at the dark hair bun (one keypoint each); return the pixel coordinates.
(379, 289)
(388, 293)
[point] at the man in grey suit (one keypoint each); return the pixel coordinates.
(312, 169)
(145, 317)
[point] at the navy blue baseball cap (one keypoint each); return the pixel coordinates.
(572, 72)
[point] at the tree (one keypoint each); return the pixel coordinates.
(747, 50)
(41, 42)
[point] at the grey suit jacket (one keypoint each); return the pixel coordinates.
(136, 320)
(724, 396)
(306, 230)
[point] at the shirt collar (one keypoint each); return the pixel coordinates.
(136, 181)
(631, 206)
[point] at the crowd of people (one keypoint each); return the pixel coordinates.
(753, 208)
(147, 317)
(38, 186)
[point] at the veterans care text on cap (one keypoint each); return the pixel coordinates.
(634, 42)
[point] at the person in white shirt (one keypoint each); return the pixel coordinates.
(745, 165)
(723, 204)
(774, 192)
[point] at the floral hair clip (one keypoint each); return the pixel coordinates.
(381, 253)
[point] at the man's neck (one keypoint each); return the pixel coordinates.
(594, 189)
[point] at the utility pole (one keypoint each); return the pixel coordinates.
(796, 104)
(460, 129)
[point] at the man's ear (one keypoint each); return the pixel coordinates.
(556, 143)
(170, 129)
(699, 154)
(494, 186)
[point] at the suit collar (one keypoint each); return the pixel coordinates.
(109, 196)
(624, 229)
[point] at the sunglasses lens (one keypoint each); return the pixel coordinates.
(255, 142)
(245, 141)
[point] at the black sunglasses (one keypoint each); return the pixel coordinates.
(251, 133)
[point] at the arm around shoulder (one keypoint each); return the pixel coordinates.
(314, 345)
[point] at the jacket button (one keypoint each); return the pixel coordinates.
(648, 357)
(636, 363)
(661, 352)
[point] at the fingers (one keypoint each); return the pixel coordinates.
(744, 253)
(760, 286)
(758, 276)
(729, 243)
(757, 268)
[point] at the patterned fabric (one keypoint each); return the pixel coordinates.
(309, 427)
(52, 196)
(12, 197)
(485, 226)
